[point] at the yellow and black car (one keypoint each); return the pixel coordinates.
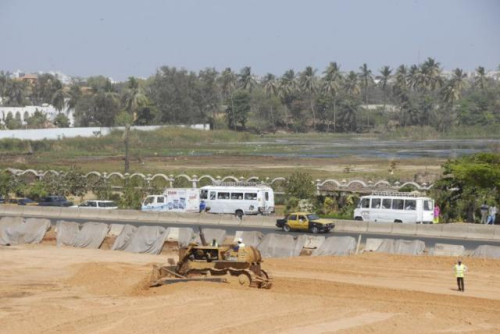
(304, 221)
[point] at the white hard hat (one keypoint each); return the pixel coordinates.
(240, 240)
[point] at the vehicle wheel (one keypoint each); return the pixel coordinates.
(358, 218)
(286, 228)
(244, 280)
(239, 214)
(315, 229)
(398, 221)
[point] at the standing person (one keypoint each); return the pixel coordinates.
(484, 213)
(437, 212)
(203, 206)
(493, 214)
(460, 270)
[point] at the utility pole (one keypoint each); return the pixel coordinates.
(126, 142)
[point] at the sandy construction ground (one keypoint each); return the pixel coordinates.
(45, 289)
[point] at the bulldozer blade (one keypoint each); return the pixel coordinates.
(166, 281)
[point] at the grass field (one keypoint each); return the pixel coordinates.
(176, 151)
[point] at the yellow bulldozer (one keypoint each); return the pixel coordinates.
(214, 264)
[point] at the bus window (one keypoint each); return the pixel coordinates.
(267, 196)
(236, 195)
(222, 195)
(365, 203)
(160, 199)
(386, 203)
(376, 203)
(212, 195)
(204, 194)
(251, 196)
(410, 204)
(398, 204)
(428, 206)
(149, 200)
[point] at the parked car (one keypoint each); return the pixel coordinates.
(55, 201)
(18, 201)
(97, 204)
(1, 200)
(304, 221)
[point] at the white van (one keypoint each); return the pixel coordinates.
(387, 207)
(174, 200)
(238, 200)
(97, 204)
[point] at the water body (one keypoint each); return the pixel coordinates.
(366, 148)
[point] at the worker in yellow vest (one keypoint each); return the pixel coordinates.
(460, 270)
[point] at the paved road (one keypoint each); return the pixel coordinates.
(230, 230)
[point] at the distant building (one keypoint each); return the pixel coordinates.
(387, 107)
(28, 111)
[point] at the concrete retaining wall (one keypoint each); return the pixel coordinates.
(458, 230)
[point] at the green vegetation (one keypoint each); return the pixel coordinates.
(467, 183)
(331, 101)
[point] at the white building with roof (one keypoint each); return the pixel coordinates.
(28, 111)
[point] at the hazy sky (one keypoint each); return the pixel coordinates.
(129, 37)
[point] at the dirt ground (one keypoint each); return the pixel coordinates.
(45, 289)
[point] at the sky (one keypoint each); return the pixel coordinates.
(126, 38)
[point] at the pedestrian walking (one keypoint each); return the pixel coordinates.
(493, 214)
(484, 213)
(460, 270)
(437, 212)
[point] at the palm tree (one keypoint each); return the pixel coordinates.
(414, 78)
(451, 93)
(453, 90)
(351, 85)
(227, 83)
(287, 85)
(4, 83)
(480, 79)
(271, 88)
(133, 98)
(431, 73)
(74, 95)
(366, 79)
(331, 86)
(385, 73)
(246, 80)
(16, 92)
(309, 85)
(59, 95)
(400, 90)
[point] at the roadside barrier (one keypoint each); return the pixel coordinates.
(385, 228)
(448, 250)
(455, 230)
(404, 229)
(431, 230)
(480, 231)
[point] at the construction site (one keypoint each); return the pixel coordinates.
(65, 278)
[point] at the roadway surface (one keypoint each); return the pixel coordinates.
(231, 230)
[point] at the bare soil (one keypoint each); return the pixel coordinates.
(45, 289)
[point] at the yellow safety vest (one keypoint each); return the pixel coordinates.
(460, 270)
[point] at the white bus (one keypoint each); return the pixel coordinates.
(387, 207)
(238, 200)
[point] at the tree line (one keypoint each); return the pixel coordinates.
(327, 101)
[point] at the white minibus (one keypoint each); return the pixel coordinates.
(238, 200)
(395, 207)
